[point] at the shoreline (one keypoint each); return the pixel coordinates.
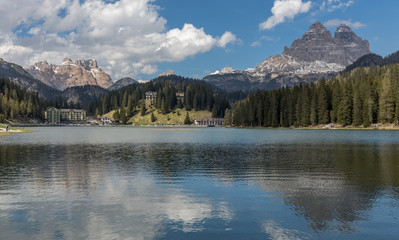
(13, 130)
(379, 127)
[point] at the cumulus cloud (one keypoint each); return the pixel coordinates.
(284, 10)
(226, 38)
(337, 22)
(127, 37)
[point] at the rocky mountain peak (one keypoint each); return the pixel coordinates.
(345, 34)
(67, 60)
(343, 28)
(69, 74)
(314, 56)
(318, 45)
(317, 31)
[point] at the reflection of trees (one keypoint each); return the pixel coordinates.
(331, 186)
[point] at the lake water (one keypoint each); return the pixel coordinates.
(208, 183)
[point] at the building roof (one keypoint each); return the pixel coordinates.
(72, 110)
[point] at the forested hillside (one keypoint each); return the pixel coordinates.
(16, 102)
(360, 97)
(198, 95)
(371, 60)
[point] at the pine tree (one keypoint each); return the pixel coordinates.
(143, 108)
(345, 106)
(187, 119)
(122, 116)
(116, 116)
(357, 109)
(322, 105)
(313, 110)
(386, 102)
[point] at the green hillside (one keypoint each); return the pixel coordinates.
(175, 117)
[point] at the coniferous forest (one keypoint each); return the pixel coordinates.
(361, 97)
(197, 96)
(16, 102)
(20, 105)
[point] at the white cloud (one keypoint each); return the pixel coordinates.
(284, 10)
(332, 5)
(227, 38)
(337, 22)
(127, 37)
(256, 44)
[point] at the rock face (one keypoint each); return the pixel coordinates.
(70, 74)
(314, 56)
(317, 44)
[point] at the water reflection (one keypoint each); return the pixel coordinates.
(172, 190)
(74, 191)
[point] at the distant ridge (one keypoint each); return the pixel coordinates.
(371, 60)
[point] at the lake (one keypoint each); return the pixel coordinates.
(199, 183)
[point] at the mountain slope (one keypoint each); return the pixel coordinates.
(314, 56)
(121, 83)
(22, 78)
(70, 74)
(371, 60)
(83, 95)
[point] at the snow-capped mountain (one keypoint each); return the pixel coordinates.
(314, 56)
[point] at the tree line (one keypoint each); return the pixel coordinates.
(16, 102)
(361, 97)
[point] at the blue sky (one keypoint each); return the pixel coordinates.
(243, 19)
(142, 38)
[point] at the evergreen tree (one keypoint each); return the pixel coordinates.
(143, 108)
(322, 105)
(345, 106)
(122, 116)
(116, 116)
(187, 119)
(386, 103)
(357, 109)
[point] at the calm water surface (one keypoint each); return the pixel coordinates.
(211, 183)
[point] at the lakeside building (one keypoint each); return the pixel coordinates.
(180, 95)
(150, 95)
(104, 120)
(55, 116)
(52, 115)
(209, 122)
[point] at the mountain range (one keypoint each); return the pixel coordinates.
(316, 55)
(78, 82)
